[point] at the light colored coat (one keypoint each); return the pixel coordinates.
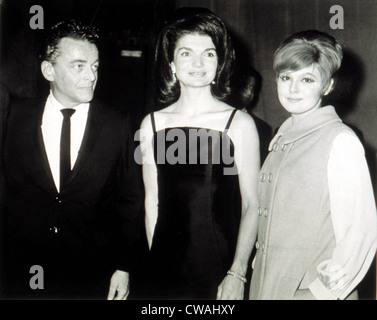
(295, 231)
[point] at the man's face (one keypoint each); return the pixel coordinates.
(74, 72)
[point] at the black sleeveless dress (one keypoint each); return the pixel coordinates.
(198, 212)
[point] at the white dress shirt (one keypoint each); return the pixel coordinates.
(353, 213)
(52, 121)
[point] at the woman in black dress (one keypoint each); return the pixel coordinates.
(197, 153)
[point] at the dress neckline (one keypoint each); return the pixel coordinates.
(229, 122)
(190, 127)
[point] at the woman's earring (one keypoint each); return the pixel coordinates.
(213, 82)
(172, 70)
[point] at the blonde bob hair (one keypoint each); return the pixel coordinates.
(306, 48)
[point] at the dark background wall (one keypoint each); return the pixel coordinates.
(124, 25)
(257, 27)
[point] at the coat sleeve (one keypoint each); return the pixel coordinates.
(128, 203)
(353, 213)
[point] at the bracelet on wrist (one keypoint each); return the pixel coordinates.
(236, 275)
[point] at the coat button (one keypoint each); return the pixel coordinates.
(284, 148)
(257, 245)
(265, 213)
(263, 177)
(270, 176)
(58, 200)
(55, 230)
(259, 211)
(275, 147)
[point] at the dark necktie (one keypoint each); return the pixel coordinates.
(65, 147)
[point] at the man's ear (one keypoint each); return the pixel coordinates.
(47, 70)
(330, 87)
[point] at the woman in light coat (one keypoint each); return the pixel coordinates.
(317, 215)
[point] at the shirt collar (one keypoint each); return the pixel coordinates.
(54, 103)
(53, 107)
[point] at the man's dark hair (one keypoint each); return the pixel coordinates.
(67, 29)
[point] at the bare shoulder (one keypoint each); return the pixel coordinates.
(244, 121)
(165, 111)
(146, 123)
(243, 129)
(163, 116)
(158, 117)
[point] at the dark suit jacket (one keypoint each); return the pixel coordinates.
(98, 214)
(4, 102)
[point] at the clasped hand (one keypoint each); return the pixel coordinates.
(119, 286)
(230, 288)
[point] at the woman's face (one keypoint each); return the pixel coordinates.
(301, 91)
(195, 60)
(248, 92)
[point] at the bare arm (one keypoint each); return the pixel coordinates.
(149, 178)
(246, 142)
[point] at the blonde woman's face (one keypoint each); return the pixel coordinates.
(301, 91)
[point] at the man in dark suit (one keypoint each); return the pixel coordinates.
(74, 197)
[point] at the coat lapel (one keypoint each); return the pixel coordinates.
(290, 132)
(44, 178)
(93, 128)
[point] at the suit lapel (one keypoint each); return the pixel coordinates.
(93, 128)
(45, 178)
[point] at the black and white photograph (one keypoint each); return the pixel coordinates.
(187, 155)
